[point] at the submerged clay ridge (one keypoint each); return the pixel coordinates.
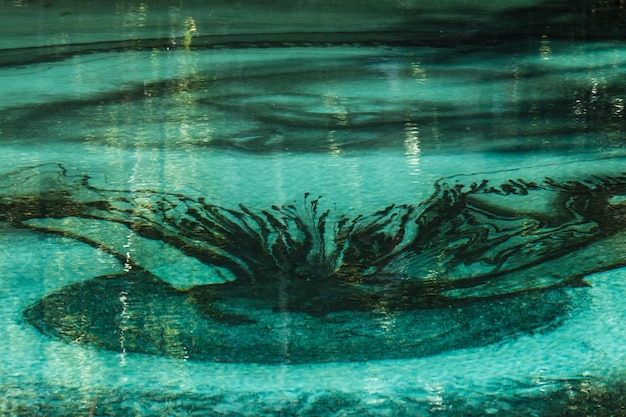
(473, 264)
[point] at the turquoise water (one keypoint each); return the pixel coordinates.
(312, 209)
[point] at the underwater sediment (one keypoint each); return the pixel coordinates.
(468, 267)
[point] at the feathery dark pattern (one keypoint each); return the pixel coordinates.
(463, 235)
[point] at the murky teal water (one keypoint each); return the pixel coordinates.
(312, 209)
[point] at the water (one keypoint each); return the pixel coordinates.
(146, 147)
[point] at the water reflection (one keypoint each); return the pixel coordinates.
(468, 255)
(412, 147)
(296, 109)
(237, 103)
(544, 48)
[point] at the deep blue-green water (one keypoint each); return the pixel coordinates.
(312, 208)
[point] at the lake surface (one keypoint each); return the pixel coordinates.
(312, 208)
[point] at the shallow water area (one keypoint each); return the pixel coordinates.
(377, 209)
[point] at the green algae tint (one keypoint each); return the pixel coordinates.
(311, 208)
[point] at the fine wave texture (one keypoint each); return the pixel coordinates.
(467, 267)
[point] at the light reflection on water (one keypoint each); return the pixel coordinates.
(217, 103)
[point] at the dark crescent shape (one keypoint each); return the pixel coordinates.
(137, 312)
